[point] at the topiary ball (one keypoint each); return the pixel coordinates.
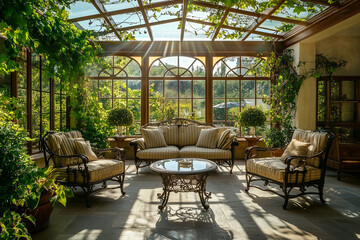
(120, 117)
(252, 117)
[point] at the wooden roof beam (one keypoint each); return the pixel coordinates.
(183, 20)
(262, 18)
(146, 20)
(248, 13)
(108, 19)
(221, 23)
(127, 10)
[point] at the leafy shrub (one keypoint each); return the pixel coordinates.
(120, 117)
(252, 117)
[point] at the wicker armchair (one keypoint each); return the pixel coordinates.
(80, 170)
(296, 171)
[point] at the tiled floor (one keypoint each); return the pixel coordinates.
(233, 214)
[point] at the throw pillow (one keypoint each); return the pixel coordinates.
(224, 136)
(84, 147)
(208, 138)
(229, 141)
(153, 138)
(295, 148)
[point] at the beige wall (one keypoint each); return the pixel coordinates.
(339, 41)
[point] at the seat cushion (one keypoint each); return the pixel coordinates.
(207, 153)
(159, 153)
(274, 169)
(84, 147)
(98, 170)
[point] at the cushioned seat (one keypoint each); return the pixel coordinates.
(98, 170)
(207, 153)
(273, 168)
(159, 153)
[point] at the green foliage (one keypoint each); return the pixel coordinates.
(120, 117)
(278, 137)
(252, 117)
(327, 66)
(22, 183)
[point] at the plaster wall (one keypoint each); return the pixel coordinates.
(344, 44)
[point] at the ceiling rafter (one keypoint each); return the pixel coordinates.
(128, 10)
(183, 20)
(146, 20)
(235, 28)
(268, 12)
(221, 23)
(248, 13)
(108, 19)
(143, 25)
(324, 2)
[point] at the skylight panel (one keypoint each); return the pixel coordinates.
(196, 31)
(164, 13)
(167, 31)
(210, 14)
(128, 19)
(255, 37)
(300, 10)
(81, 9)
(113, 5)
(228, 34)
(93, 24)
(141, 34)
(238, 20)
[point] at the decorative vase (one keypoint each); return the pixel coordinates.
(251, 140)
(120, 131)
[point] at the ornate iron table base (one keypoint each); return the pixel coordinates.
(184, 183)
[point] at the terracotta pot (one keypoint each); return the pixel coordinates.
(41, 213)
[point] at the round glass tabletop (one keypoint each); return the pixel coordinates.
(183, 166)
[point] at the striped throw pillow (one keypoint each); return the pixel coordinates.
(228, 142)
(208, 138)
(84, 147)
(154, 138)
(224, 136)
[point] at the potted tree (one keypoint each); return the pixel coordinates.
(120, 117)
(22, 182)
(252, 117)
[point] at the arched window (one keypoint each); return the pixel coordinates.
(120, 86)
(236, 86)
(177, 88)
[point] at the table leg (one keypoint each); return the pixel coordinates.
(165, 194)
(203, 194)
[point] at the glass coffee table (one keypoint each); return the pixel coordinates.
(184, 175)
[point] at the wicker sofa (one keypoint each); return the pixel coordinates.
(181, 137)
(79, 165)
(302, 165)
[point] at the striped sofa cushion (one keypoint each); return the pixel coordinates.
(189, 134)
(153, 138)
(207, 153)
(229, 141)
(158, 153)
(274, 169)
(171, 134)
(98, 170)
(208, 138)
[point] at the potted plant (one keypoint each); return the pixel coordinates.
(252, 117)
(120, 117)
(22, 182)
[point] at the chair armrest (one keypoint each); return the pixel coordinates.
(290, 158)
(83, 157)
(249, 150)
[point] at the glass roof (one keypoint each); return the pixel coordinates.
(206, 20)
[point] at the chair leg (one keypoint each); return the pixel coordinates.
(232, 166)
(321, 194)
(87, 195)
(122, 179)
(286, 197)
(247, 182)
